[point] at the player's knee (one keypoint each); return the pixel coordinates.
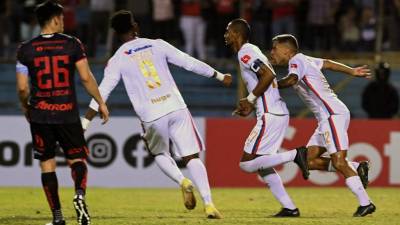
(247, 167)
(340, 165)
(312, 164)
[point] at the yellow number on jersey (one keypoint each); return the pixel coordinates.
(327, 138)
(146, 66)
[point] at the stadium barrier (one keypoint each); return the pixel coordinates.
(118, 157)
(375, 140)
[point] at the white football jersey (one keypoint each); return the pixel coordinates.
(143, 66)
(313, 87)
(270, 101)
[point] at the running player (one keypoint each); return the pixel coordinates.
(142, 64)
(48, 63)
(333, 116)
(260, 150)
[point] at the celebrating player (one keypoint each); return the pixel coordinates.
(143, 66)
(48, 62)
(333, 116)
(260, 150)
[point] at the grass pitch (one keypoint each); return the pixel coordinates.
(164, 206)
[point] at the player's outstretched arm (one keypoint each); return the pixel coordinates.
(265, 78)
(181, 59)
(90, 84)
(226, 79)
(361, 71)
(288, 81)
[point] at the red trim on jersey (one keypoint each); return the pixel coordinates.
(264, 101)
(316, 93)
(334, 134)
(258, 140)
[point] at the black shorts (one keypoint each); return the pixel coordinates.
(69, 136)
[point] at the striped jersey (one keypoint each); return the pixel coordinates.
(313, 87)
(142, 64)
(270, 101)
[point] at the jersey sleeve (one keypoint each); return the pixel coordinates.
(296, 66)
(21, 66)
(112, 76)
(252, 59)
(181, 59)
(78, 50)
(318, 62)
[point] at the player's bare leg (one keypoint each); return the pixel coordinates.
(315, 161)
(353, 181)
(79, 175)
(318, 162)
(50, 187)
(274, 182)
(200, 178)
(251, 163)
(168, 165)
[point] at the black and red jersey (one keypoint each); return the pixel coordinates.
(50, 60)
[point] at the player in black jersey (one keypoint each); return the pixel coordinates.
(49, 103)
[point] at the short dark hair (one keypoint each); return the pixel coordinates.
(122, 21)
(242, 27)
(47, 10)
(287, 39)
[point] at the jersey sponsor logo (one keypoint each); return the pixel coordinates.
(64, 92)
(43, 105)
(49, 42)
(245, 58)
(130, 51)
(42, 48)
(160, 99)
(294, 66)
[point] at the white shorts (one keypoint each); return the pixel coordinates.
(177, 127)
(267, 135)
(331, 133)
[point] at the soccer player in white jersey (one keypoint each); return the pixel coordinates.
(333, 116)
(260, 150)
(142, 64)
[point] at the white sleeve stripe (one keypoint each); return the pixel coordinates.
(21, 68)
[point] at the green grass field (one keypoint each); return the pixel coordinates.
(164, 206)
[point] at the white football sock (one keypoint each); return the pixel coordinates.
(331, 168)
(168, 165)
(199, 176)
(355, 185)
(275, 184)
(267, 161)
